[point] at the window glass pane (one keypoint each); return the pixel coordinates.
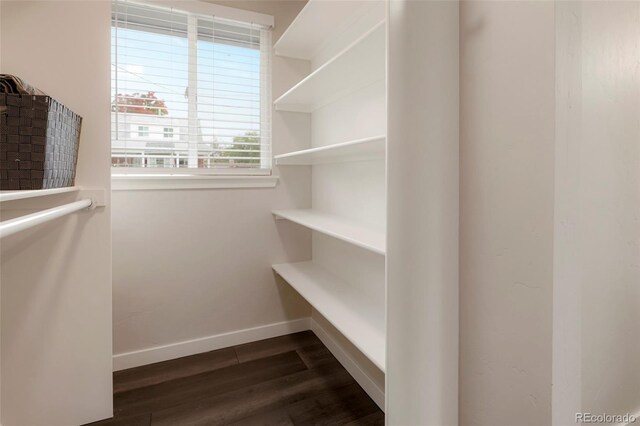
(228, 95)
(187, 90)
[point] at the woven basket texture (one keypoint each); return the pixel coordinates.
(39, 139)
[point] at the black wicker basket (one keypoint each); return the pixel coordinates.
(39, 140)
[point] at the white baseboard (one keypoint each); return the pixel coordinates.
(204, 344)
(360, 376)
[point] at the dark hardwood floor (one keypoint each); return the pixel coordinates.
(288, 380)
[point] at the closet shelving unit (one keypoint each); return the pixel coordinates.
(311, 29)
(22, 195)
(345, 95)
(88, 199)
(358, 65)
(351, 313)
(357, 150)
(337, 227)
(6, 197)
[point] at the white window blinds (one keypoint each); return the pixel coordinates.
(189, 91)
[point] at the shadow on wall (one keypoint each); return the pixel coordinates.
(293, 305)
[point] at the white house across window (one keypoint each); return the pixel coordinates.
(189, 91)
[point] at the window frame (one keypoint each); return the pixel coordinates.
(134, 178)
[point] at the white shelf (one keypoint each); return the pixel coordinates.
(21, 195)
(337, 227)
(317, 21)
(351, 312)
(359, 65)
(357, 150)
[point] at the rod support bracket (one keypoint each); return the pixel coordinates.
(97, 197)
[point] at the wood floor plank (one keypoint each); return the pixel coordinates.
(278, 417)
(276, 345)
(152, 374)
(373, 419)
(315, 355)
(139, 420)
(251, 401)
(333, 407)
(204, 385)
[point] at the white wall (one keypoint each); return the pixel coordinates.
(56, 278)
(190, 264)
(609, 192)
(507, 89)
(550, 172)
(598, 169)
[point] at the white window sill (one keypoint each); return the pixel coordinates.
(135, 182)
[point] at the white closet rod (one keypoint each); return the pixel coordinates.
(11, 226)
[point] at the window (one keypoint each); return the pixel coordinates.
(196, 87)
